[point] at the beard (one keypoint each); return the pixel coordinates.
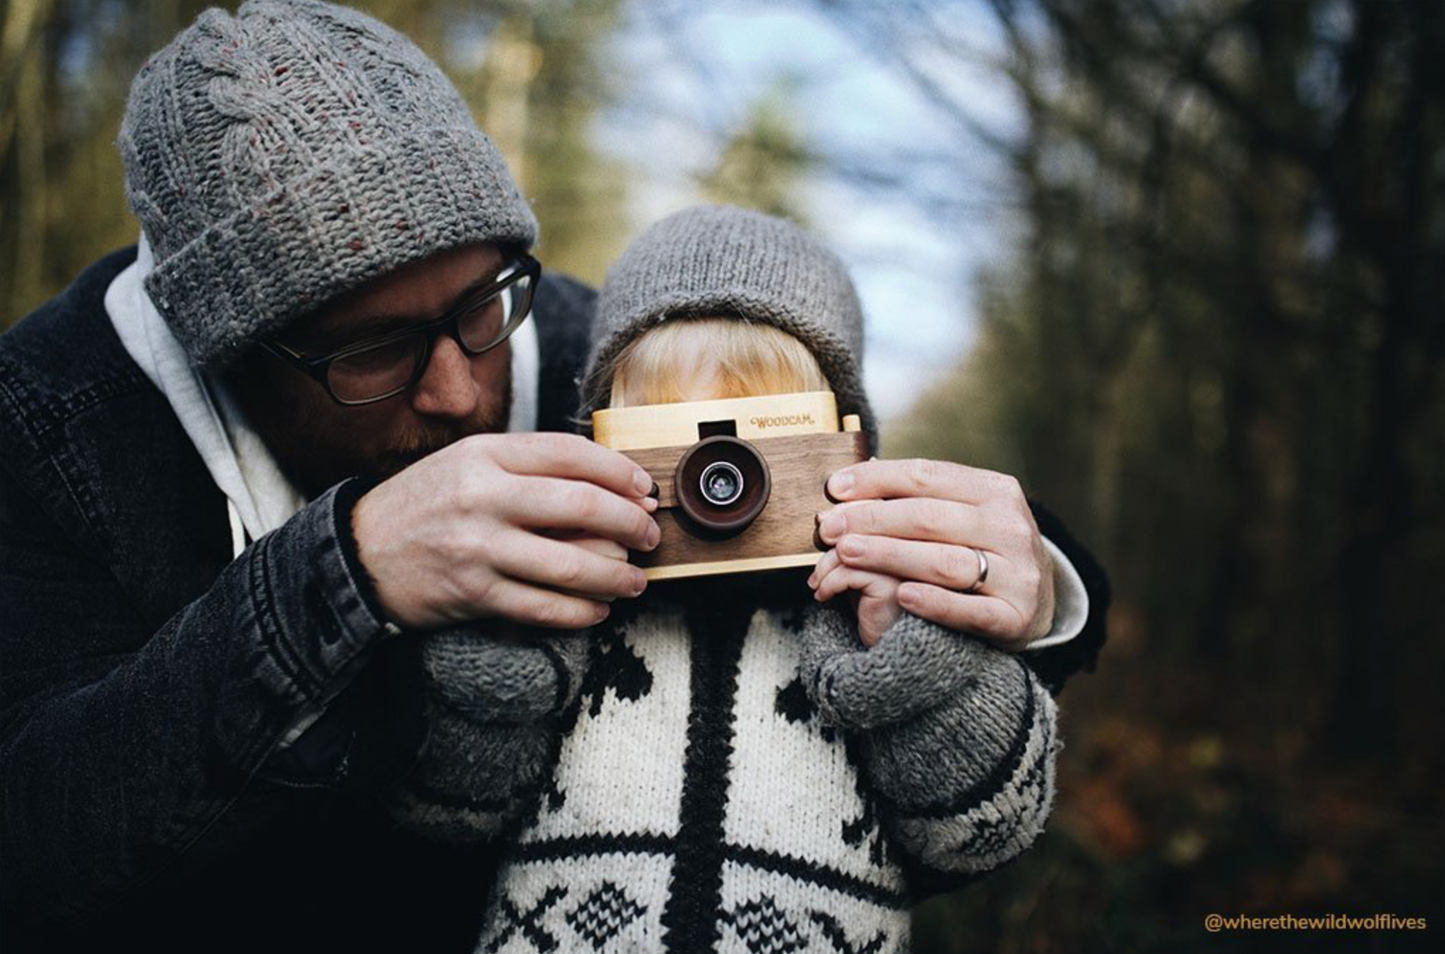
(315, 453)
(397, 456)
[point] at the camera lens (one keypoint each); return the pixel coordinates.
(721, 483)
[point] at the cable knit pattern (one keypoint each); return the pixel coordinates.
(702, 801)
(281, 156)
(722, 260)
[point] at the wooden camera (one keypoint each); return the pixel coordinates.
(739, 480)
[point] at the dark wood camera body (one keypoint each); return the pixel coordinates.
(794, 470)
(781, 535)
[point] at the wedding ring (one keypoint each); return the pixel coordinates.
(982, 570)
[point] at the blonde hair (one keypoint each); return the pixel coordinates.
(746, 359)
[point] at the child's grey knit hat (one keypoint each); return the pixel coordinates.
(722, 260)
(284, 155)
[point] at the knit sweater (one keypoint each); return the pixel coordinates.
(738, 774)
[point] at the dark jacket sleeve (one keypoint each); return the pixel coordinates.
(122, 748)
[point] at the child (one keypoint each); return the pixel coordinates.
(735, 770)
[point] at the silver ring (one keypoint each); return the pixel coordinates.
(982, 571)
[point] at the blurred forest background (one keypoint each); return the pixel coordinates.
(1211, 339)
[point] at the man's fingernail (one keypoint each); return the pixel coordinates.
(642, 480)
(841, 484)
(852, 547)
(832, 527)
(649, 504)
(639, 584)
(654, 536)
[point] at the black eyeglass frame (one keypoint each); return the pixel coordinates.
(319, 368)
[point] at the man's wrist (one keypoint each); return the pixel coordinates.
(348, 494)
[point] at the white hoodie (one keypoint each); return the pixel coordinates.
(259, 498)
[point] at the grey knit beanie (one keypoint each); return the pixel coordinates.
(722, 260)
(289, 153)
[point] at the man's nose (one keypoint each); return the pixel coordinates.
(446, 388)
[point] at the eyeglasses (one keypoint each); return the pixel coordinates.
(378, 368)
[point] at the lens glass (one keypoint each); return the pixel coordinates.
(493, 318)
(721, 483)
(375, 371)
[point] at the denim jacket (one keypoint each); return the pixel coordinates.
(146, 678)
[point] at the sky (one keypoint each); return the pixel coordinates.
(914, 267)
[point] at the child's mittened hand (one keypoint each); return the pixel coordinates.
(472, 781)
(915, 666)
(491, 696)
(505, 677)
(959, 738)
(970, 784)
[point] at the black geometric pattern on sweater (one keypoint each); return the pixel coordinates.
(793, 704)
(616, 666)
(866, 827)
(819, 875)
(577, 846)
(803, 870)
(764, 928)
(717, 625)
(833, 932)
(553, 795)
(517, 920)
(857, 830)
(604, 915)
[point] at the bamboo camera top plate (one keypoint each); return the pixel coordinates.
(739, 479)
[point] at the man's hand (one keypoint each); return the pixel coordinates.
(533, 528)
(906, 535)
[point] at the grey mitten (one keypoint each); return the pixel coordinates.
(958, 738)
(506, 678)
(493, 703)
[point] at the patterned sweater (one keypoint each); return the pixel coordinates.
(728, 779)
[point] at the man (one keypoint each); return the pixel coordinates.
(248, 466)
